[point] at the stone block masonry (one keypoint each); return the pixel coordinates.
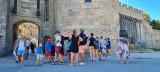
(101, 17)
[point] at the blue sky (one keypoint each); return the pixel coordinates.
(151, 7)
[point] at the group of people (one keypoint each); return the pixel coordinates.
(75, 48)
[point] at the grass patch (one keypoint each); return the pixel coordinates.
(137, 48)
(155, 49)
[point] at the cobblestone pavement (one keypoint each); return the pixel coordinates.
(7, 64)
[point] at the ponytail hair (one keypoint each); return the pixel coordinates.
(75, 33)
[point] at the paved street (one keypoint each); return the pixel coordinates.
(138, 64)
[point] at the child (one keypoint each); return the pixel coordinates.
(39, 53)
(103, 54)
(68, 50)
(48, 47)
(101, 46)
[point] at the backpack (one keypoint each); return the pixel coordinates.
(84, 39)
(62, 40)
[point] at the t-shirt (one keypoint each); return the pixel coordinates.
(21, 45)
(97, 44)
(27, 42)
(16, 41)
(69, 44)
(92, 41)
(109, 43)
(82, 35)
(38, 49)
(101, 43)
(48, 47)
(59, 40)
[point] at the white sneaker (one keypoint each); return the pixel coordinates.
(81, 63)
(94, 58)
(109, 56)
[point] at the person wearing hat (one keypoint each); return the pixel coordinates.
(82, 46)
(48, 47)
(91, 45)
(58, 47)
(39, 53)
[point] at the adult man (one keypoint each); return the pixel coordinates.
(58, 47)
(16, 48)
(28, 47)
(82, 46)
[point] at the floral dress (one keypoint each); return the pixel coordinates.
(123, 49)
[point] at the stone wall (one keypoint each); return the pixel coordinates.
(151, 36)
(99, 17)
(3, 15)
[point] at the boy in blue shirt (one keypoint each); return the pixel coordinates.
(39, 53)
(48, 47)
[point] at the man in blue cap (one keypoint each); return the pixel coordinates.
(58, 47)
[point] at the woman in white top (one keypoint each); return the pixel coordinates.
(21, 49)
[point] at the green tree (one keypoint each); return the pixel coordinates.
(153, 24)
(147, 17)
(158, 24)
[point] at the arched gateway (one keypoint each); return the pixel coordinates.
(26, 29)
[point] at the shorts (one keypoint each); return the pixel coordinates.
(39, 56)
(99, 53)
(27, 47)
(20, 52)
(104, 54)
(48, 53)
(68, 51)
(101, 47)
(58, 49)
(91, 49)
(81, 49)
(109, 47)
(62, 50)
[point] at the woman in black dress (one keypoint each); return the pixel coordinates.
(74, 45)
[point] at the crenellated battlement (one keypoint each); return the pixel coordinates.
(131, 8)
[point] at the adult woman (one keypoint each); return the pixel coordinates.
(97, 46)
(74, 45)
(123, 49)
(21, 49)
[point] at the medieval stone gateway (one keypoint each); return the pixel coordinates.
(102, 17)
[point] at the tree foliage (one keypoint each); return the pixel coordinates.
(154, 23)
(147, 17)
